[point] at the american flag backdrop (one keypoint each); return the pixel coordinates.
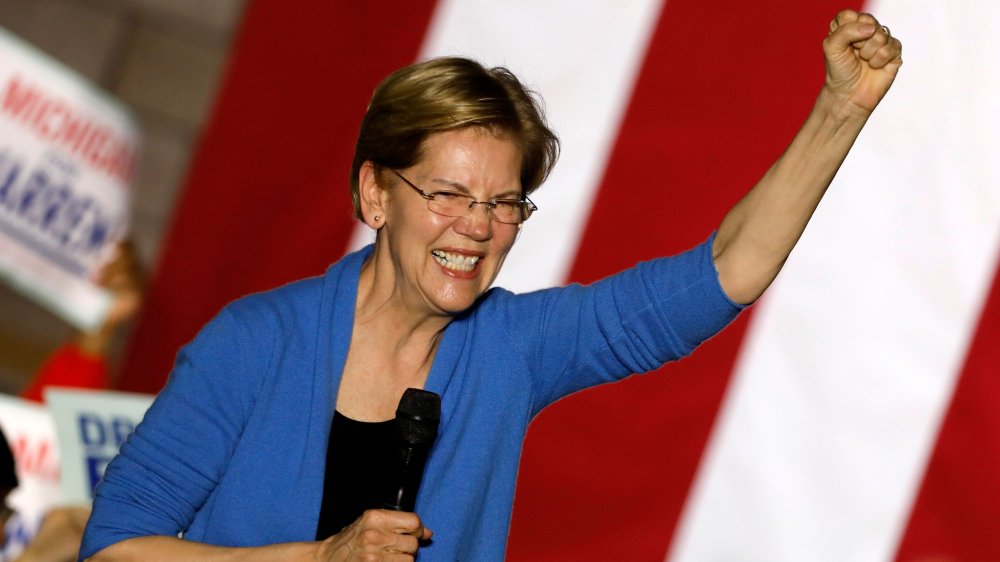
(850, 415)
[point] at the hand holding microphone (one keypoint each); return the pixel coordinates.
(394, 535)
(394, 532)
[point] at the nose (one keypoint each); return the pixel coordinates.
(476, 224)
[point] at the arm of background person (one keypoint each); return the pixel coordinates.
(124, 278)
(58, 537)
(82, 362)
(757, 235)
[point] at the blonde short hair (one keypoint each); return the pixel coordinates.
(450, 93)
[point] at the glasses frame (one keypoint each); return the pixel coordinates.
(490, 204)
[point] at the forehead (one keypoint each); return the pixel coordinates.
(473, 156)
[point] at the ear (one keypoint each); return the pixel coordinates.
(373, 196)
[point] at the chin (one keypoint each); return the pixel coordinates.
(456, 308)
(456, 304)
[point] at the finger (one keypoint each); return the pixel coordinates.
(374, 539)
(121, 266)
(382, 518)
(397, 522)
(889, 54)
(842, 17)
(849, 34)
(865, 17)
(404, 544)
(421, 532)
(109, 267)
(403, 522)
(846, 16)
(868, 48)
(120, 280)
(114, 270)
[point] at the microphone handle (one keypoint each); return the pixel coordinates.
(404, 494)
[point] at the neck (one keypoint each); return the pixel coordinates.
(383, 309)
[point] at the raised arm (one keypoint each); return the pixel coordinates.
(756, 236)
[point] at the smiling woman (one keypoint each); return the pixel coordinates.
(426, 255)
(267, 442)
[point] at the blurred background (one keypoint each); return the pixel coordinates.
(849, 415)
(164, 59)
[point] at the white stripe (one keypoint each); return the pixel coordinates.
(583, 57)
(852, 358)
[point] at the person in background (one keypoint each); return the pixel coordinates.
(82, 362)
(8, 481)
(58, 537)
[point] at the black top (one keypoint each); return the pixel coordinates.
(358, 458)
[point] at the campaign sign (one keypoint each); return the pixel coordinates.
(67, 156)
(91, 426)
(31, 434)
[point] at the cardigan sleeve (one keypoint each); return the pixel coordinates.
(634, 321)
(168, 467)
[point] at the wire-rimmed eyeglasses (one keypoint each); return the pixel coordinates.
(455, 204)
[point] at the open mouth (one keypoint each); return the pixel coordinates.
(455, 262)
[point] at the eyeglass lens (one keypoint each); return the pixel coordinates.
(457, 205)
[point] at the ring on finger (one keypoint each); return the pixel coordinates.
(886, 31)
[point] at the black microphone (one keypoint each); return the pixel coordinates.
(417, 418)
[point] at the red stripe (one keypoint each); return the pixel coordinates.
(606, 473)
(266, 200)
(957, 512)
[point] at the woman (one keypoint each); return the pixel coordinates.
(232, 452)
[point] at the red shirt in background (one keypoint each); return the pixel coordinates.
(68, 366)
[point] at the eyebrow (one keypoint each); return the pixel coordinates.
(510, 194)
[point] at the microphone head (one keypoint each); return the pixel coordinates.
(417, 417)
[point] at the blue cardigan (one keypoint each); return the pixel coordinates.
(233, 450)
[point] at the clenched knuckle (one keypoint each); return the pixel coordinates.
(370, 536)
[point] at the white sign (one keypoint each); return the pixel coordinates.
(67, 155)
(29, 431)
(91, 426)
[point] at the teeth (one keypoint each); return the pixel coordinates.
(455, 261)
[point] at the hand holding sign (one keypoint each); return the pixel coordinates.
(124, 279)
(66, 159)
